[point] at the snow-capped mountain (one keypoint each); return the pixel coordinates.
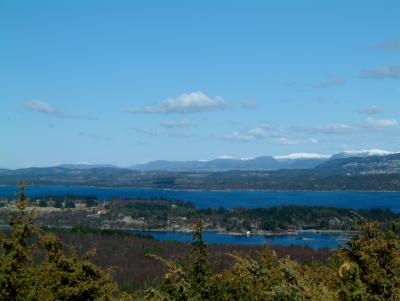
(299, 156)
(225, 163)
(363, 153)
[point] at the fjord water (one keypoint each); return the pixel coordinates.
(229, 199)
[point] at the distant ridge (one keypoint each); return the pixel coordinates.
(264, 163)
(372, 164)
(340, 162)
(225, 164)
(84, 166)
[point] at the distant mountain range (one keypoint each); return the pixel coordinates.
(293, 161)
(366, 170)
(364, 161)
(85, 166)
(225, 164)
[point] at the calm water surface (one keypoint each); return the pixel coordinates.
(230, 199)
(313, 240)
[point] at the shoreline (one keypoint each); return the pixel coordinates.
(218, 231)
(259, 233)
(202, 190)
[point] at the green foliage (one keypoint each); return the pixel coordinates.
(33, 265)
(16, 270)
(370, 268)
(199, 270)
(187, 282)
(265, 279)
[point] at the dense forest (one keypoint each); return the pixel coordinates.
(35, 265)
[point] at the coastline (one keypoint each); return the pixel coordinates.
(201, 190)
(258, 233)
(218, 231)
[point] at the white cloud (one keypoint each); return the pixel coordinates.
(331, 81)
(382, 122)
(249, 104)
(177, 123)
(185, 103)
(381, 72)
(42, 107)
(372, 110)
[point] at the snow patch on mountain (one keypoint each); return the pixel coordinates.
(365, 153)
(297, 156)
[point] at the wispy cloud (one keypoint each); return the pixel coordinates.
(43, 107)
(268, 133)
(169, 133)
(249, 104)
(381, 72)
(334, 128)
(382, 122)
(331, 81)
(177, 123)
(185, 103)
(46, 108)
(289, 141)
(261, 132)
(389, 45)
(371, 110)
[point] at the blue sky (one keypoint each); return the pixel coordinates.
(125, 82)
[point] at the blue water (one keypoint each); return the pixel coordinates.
(230, 199)
(313, 240)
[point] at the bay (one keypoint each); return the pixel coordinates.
(229, 199)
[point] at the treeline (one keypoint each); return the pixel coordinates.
(63, 201)
(56, 201)
(34, 265)
(174, 215)
(293, 216)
